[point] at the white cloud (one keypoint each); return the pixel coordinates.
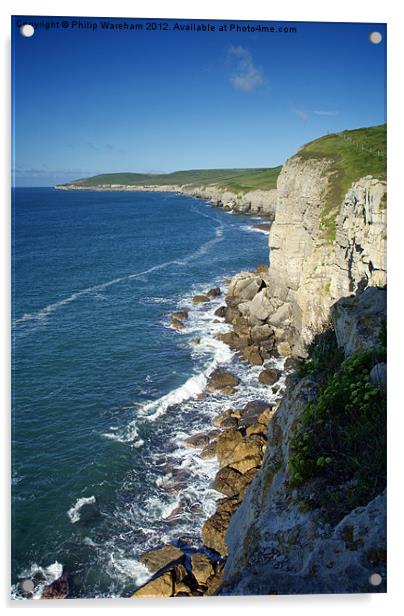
(326, 113)
(246, 76)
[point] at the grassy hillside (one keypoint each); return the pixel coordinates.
(237, 180)
(355, 153)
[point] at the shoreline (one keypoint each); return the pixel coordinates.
(251, 202)
(236, 439)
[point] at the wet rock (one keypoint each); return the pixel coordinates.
(254, 408)
(181, 315)
(215, 292)
(177, 324)
(262, 268)
(265, 417)
(226, 443)
(228, 481)
(201, 439)
(215, 582)
(196, 341)
(234, 340)
(180, 573)
(161, 586)
(59, 589)
(247, 463)
(269, 376)
(256, 428)
(222, 382)
(247, 478)
(229, 423)
(215, 527)
(202, 568)
(161, 557)
(220, 312)
(252, 355)
(209, 451)
(200, 299)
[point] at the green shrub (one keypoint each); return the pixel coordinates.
(341, 441)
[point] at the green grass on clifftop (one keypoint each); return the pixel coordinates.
(235, 180)
(355, 154)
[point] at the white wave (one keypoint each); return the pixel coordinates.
(190, 389)
(74, 512)
(128, 434)
(254, 229)
(130, 568)
(43, 577)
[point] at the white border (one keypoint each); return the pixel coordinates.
(294, 10)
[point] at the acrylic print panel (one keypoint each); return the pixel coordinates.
(199, 308)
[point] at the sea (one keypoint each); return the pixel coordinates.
(104, 390)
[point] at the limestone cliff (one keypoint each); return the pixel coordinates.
(308, 272)
(280, 539)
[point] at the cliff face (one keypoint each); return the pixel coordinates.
(278, 541)
(308, 272)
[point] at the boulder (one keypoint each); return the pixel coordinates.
(161, 557)
(215, 527)
(220, 312)
(244, 286)
(284, 349)
(209, 451)
(228, 481)
(215, 582)
(176, 323)
(161, 586)
(261, 333)
(217, 421)
(247, 463)
(59, 589)
(200, 299)
(222, 382)
(254, 408)
(260, 306)
(226, 443)
(256, 428)
(269, 376)
(201, 439)
(247, 478)
(215, 292)
(202, 568)
(181, 315)
(253, 355)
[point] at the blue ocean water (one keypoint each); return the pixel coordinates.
(104, 391)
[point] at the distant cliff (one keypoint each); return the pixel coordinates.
(243, 191)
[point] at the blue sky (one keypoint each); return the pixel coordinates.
(93, 101)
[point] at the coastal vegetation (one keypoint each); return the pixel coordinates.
(341, 440)
(353, 154)
(237, 180)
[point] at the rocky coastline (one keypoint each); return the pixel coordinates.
(256, 202)
(237, 439)
(322, 306)
(295, 518)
